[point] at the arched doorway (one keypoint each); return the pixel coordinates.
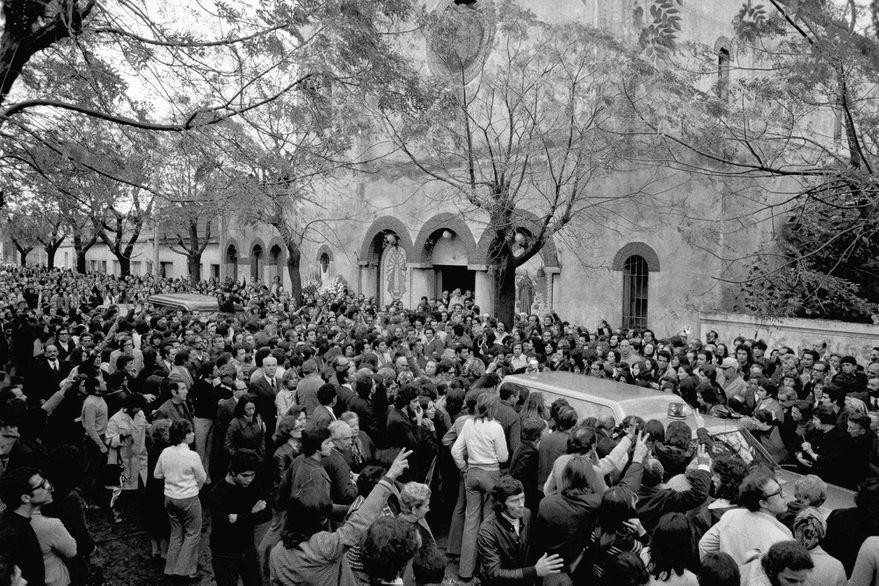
(383, 258)
(277, 256)
(256, 263)
(232, 262)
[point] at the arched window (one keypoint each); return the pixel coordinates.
(635, 276)
(324, 262)
(256, 263)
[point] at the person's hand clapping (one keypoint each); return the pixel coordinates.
(549, 564)
(399, 465)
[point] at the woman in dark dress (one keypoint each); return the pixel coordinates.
(155, 517)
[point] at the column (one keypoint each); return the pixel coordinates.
(224, 241)
(368, 276)
(551, 277)
(421, 282)
(484, 287)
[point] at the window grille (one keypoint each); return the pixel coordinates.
(635, 277)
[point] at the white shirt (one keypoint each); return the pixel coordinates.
(484, 442)
(285, 399)
(744, 535)
(182, 471)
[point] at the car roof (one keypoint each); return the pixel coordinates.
(645, 403)
(186, 301)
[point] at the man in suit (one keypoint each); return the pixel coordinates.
(361, 451)
(323, 414)
(46, 375)
(225, 414)
(64, 343)
(343, 490)
(175, 408)
(264, 389)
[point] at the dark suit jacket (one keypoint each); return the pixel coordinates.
(343, 491)
(367, 452)
(43, 381)
(523, 467)
(509, 420)
(321, 417)
(264, 396)
(344, 395)
(551, 447)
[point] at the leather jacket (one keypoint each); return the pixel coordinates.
(504, 557)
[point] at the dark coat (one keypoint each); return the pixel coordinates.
(847, 529)
(503, 557)
(510, 421)
(264, 397)
(654, 502)
(321, 417)
(523, 467)
(43, 381)
(343, 491)
(551, 447)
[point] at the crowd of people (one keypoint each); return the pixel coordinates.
(332, 441)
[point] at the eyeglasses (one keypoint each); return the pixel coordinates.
(45, 484)
(779, 492)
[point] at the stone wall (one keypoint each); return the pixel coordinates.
(841, 337)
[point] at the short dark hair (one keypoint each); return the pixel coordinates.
(312, 440)
(178, 431)
(429, 566)
(566, 418)
(532, 428)
(751, 489)
(242, 404)
(825, 415)
(626, 569)
(15, 484)
(244, 460)
(719, 569)
(785, 555)
(581, 440)
(861, 420)
(389, 545)
(325, 394)
(369, 476)
(504, 488)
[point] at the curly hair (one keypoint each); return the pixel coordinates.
(504, 488)
(731, 470)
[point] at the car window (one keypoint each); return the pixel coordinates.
(583, 408)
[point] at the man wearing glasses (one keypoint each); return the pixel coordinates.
(747, 533)
(22, 491)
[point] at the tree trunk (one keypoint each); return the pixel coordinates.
(193, 262)
(24, 252)
(124, 265)
(80, 248)
(50, 255)
(505, 291)
(294, 258)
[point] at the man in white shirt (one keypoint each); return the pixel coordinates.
(748, 533)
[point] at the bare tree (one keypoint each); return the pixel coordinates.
(793, 134)
(521, 147)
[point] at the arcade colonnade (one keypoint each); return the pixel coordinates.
(443, 256)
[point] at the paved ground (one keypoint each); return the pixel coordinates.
(122, 553)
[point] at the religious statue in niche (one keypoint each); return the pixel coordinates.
(394, 271)
(459, 38)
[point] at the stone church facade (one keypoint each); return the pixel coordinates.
(402, 240)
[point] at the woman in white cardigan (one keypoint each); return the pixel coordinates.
(479, 451)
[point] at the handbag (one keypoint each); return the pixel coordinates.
(111, 475)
